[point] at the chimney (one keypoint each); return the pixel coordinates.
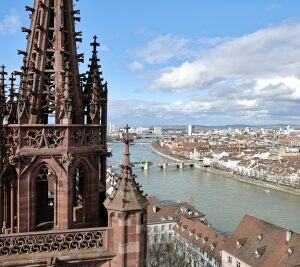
(154, 209)
(288, 236)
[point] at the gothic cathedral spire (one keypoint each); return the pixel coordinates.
(53, 152)
(50, 79)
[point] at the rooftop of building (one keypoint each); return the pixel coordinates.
(202, 236)
(262, 244)
(170, 212)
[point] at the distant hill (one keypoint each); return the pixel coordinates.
(233, 126)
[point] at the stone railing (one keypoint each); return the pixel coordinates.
(53, 241)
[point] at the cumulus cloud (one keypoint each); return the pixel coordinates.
(265, 54)
(136, 65)
(10, 24)
(251, 79)
(156, 112)
(104, 48)
(162, 49)
(254, 78)
(206, 110)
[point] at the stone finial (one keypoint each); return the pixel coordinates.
(127, 140)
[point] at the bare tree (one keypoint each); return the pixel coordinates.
(166, 255)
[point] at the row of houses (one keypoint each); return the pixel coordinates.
(271, 164)
(283, 171)
(254, 243)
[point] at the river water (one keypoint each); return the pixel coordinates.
(224, 201)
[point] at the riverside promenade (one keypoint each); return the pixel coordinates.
(244, 179)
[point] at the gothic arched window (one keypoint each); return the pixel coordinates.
(45, 187)
(78, 193)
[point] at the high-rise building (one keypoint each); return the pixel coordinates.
(157, 130)
(190, 130)
(109, 127)
(53, 153)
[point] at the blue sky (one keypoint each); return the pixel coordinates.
(186, 62)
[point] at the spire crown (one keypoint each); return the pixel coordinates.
(127, 140)
(95, 44)
(127, 195)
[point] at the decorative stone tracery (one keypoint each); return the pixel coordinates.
(54, 242)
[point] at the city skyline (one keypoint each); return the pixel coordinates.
(196, 63)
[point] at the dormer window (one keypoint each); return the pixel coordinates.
(260, 237)
(204, 240)
(213, 246)
(191, 232)
(184, 209)
(162, 218)
(260, 251)
(290, 251)
(240, 242)
(197, 237)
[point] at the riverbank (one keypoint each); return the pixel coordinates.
(164, 155)
(236, 177)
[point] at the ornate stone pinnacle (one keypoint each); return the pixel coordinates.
(127, 140)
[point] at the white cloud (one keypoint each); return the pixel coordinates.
(205, 112)
(265, 54)
(251, 79)
(255, 77)
(10, 24)
(162, 49)
(136, 65)
(104, 48)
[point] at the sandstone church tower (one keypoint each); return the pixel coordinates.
(127, 215)
(53, 149)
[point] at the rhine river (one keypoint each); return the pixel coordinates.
(224, 201)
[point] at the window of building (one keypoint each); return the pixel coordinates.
(238, 264)
(229, 259)
(170, 226)
(155, 239)
(163, 238)
(163, 227)
(155, 229)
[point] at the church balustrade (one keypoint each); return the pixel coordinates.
(54, 241)
(51, 136)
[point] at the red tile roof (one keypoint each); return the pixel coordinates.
(265, 244)
(201, 235)
(158, 213)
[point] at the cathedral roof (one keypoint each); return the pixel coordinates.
(127, 194)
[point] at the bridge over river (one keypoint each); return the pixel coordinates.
(148, 165)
